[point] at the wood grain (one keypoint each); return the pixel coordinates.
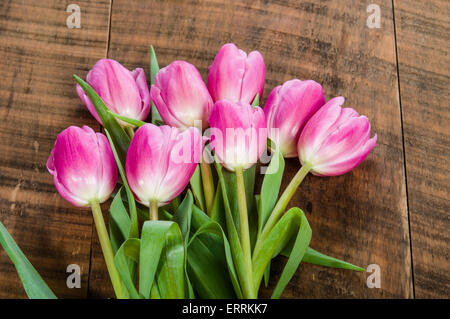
(360, 217)
(37, 100)
(423, 42)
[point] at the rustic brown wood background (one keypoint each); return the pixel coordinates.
(393, 210)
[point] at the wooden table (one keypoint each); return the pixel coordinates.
(392, 211)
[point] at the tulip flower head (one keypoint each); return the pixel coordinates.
(335, 140)
(288, 108)
(181, 96)
(83, 166)
(238, 133)
(124, 92)
(160, 162)
(236, 76)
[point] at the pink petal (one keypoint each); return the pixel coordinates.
(181, 164)
(76, 162)
(87, 101)
(344, 165)
(184, 98)
(152, 169)
(318, 127)
(235, 76)
(107, 168)
(144, 165)
(82, 165)
(226, 73)
(141, 82)
(68, 195)
(343, 140)
(163, 109)
(238, 133)
(117, 87)
(288, 108)
(254, 76)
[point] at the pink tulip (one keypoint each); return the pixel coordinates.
(288, 108)
(335, 140)
(236, 77)
(83, 166)
(181, 96)
(124, 92)
(160, 162)
(238, 133)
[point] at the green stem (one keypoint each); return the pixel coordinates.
(282, 203)
(129, 130)
(208, 185)
(106, 248)
(249, 291)
(153, 210)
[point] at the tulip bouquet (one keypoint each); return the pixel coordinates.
(185, 220)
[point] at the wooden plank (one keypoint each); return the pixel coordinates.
(423, 44)
(38, 100)
(360, 217)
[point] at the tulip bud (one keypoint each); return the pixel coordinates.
(335, 140)
(181, 96)
(124, 92)
(236, 77)
(160, 162)
(83, 166)
(238, 133)
(288, 108)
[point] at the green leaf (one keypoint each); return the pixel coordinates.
(269, 194)
(183, 216)
(270, 188)
(218, 210)
(209, 249)
(120, 139)
(233, 237)
(119, 222)
(119, 231)
(126, 257)
(197, 188)
(267, 271)
(128, 120)
(154, 68)
(249, 183)
(164, 215)
(171, 270)
(208, 275)
(199, 219)
(293, 224)
(301, 245)
(256, 101)
(162, 259)
(173, 205)
(134, 227)
(229, 186)
(314, 257)
(267, 275)
(34, 285)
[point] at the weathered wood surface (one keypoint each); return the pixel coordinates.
(361, 217)
(423, 42)
(39, 54)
